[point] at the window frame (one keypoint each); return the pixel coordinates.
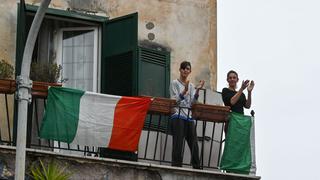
(96, 52)
(25, 10)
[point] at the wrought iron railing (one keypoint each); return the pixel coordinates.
(156, 145)
(155, 142)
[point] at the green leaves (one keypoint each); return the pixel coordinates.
(45, 72)
(51, 171)
(6, 70)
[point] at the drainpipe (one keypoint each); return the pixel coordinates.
(24, 91)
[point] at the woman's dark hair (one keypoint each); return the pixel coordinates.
(184, 64)
(232, 71)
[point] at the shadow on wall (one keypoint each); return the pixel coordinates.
(154, 46)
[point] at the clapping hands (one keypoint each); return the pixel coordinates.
(250, 87)
(186, 87)
(200, 85)
(247, 84)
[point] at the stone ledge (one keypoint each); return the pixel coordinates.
(86, 167)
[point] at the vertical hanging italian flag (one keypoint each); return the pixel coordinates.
(92, 119)
(239, 150)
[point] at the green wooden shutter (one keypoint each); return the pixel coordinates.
(119, 56)
(21, 38)
(21, 35)
(154, 72)
(119, 65)
(154, 80)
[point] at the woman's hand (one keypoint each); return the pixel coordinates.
(251, 86)
(244, 84)
(200, 85)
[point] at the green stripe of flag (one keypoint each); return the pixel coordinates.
(61, 117)
(236, 156)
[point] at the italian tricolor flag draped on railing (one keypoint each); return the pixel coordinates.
(92, 119)
(239, 150)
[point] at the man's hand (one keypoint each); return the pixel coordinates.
(251, 86)
(186, 88)
(200, 85)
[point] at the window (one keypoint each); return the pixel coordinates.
(68, 38)
(96, 54)
(78, 55)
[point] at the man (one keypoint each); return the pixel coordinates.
(183, 126)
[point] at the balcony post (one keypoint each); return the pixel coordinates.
(24, 90)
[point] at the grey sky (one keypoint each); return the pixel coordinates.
(276, 43)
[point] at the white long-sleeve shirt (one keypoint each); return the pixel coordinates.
(183, 101)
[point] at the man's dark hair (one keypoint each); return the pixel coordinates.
(184, 64)
(232, 71)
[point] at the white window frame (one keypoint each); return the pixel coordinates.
(96, 52)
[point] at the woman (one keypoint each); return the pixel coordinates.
(236, 157)
(183, 126)
(236, 99)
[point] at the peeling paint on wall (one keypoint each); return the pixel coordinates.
(186, 27)
(8, 23)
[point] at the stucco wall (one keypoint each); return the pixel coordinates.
(8, 21)
(185, 27)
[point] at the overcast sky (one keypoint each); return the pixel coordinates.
(277, 43)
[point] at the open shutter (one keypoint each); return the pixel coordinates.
(119, 56)
(119, 66)
(21, 35)
(20, 43)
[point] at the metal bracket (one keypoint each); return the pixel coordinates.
(23, 83)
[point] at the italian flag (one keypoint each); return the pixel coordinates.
(239, 149)
(92, 119)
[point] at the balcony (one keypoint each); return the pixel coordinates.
(154, 152)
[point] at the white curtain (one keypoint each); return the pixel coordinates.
(77, 59)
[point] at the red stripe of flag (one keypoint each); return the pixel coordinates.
(129, 117)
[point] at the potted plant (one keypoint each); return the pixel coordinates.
(44, 75)
(7, 84)
(40, 171)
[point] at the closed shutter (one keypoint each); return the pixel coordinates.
(154, 72)
(154, 79)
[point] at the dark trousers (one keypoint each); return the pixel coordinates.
(181, 130)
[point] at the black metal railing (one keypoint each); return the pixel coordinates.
(155, 142)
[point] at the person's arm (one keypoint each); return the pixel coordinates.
(236, 97)
(250, 88)
(196, 92)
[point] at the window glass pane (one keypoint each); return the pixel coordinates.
(88, 85)
(78, 40)
(88, 53)
(67, 71)
(67, 54)
(78, 54)
(67, 42)
(89, 39)
(88, 70)
(70, 83)
(78, 71)
(77, 62)
(80, 84)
